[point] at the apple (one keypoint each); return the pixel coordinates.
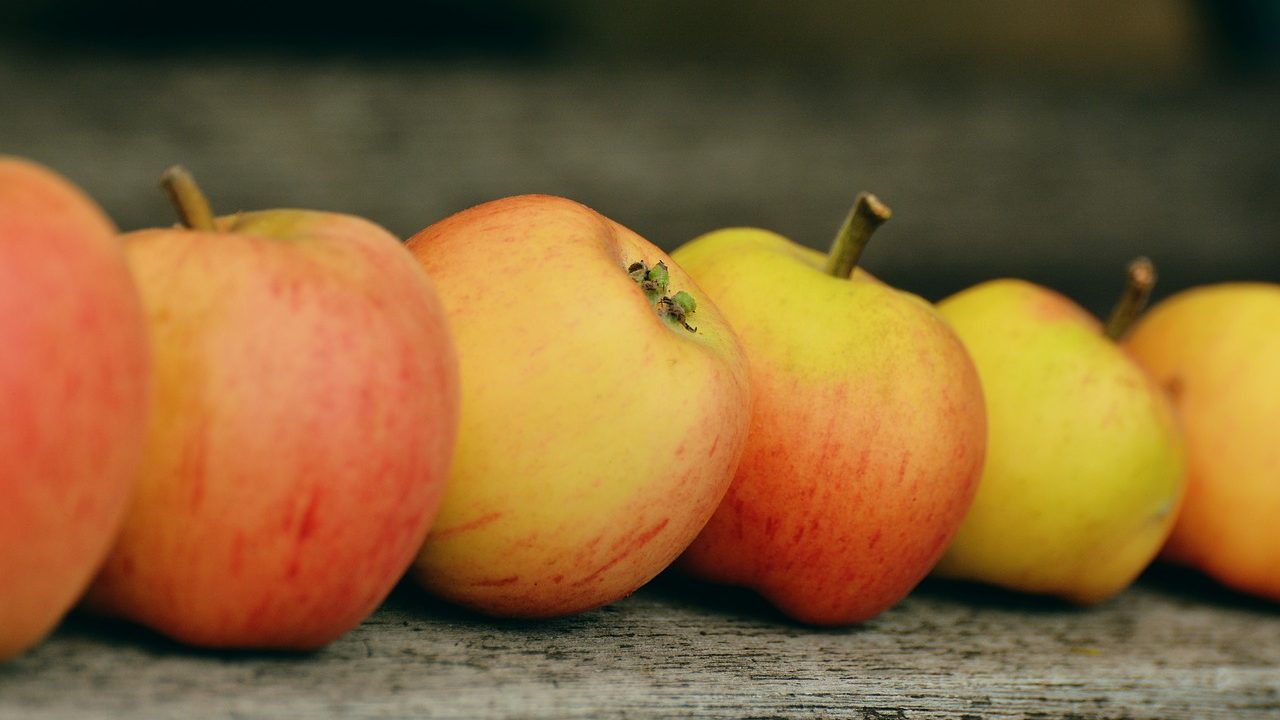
(303, 416)
(1216, 349)
(604, 407)
(73, 396)
(867, 436)
(1085, 463)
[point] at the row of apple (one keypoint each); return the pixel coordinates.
(242, 431)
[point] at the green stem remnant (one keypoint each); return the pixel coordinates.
(678, 307)
(868, 213)
(184, 193)
(655, 282)
(1137, 290)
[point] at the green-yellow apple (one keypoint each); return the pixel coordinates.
(867, 435)
(1085, 463)
(604, 407)
(303, 415)
(1217, 350)
(73, 396)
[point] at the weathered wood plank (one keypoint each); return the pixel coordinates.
(1165, 649)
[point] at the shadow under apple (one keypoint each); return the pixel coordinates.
(1190, 585)
(410, 601)
(979, 595)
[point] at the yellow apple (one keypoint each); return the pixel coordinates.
(1085, 464)
(73, 396)
(604, 407)
(1216, 349)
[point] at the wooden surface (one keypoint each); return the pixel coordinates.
(1172, 647)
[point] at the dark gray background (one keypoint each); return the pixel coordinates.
(1049, 141)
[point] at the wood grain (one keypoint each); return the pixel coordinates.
(1172, 647)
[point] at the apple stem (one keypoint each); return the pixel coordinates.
(868, 213)
(1137, 290)
(184, 193)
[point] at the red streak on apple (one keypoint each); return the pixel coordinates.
(632, 545)
(500, 582)
(465, 527)
(308, 524)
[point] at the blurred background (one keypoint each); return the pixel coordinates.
(1050, 140)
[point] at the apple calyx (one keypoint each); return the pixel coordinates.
(1140, 279)
(191, 204)
(655, 282)
(868, 213)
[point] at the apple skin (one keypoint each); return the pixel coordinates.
(303, 417)
(866, 440)
(73, 396)
(596, 437)
(1216, 349)
(1085, 462)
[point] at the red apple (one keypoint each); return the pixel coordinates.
(867, 436)
(303, 418)
(73, 396)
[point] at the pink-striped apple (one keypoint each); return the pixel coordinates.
(604, 407)
(303, 415)
(1216, 349)
(73, 396)
(867, 435)
(1084, 458)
